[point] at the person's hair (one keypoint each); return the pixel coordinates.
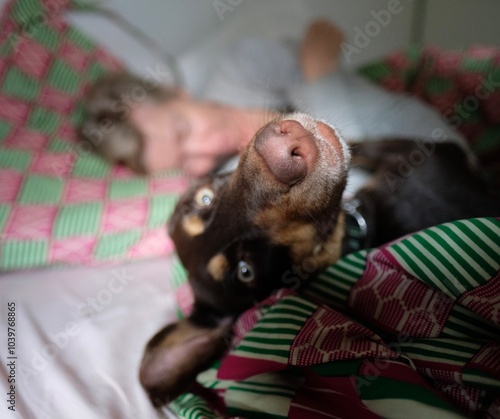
(107, 128)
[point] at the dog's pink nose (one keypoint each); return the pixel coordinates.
(288, 149)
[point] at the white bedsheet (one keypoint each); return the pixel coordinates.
(79, 338)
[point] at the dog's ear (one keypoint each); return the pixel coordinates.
(177, 353)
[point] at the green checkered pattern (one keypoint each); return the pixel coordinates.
(60, 204)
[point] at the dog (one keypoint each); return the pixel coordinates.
(237, 233)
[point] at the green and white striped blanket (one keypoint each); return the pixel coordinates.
(411, 329)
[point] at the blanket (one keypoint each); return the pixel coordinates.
(60, 204)
(410, 329)
(463, 85)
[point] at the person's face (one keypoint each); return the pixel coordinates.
(182, 130)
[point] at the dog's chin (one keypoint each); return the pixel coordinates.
(297, 209)
(296, 152)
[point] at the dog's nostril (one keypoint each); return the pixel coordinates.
(292, 127)
(274, 128)
(284, 130)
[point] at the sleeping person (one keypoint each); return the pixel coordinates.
(154, 128)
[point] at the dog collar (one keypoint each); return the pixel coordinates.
(356, 229)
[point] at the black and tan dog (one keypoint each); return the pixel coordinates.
(238, 233)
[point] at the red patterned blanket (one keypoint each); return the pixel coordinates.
(411, 329)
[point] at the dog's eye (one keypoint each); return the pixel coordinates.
(245, 272)
(204, 197)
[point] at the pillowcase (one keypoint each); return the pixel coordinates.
(59, 203)
(463, 85)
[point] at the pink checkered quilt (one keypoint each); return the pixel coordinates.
(60, 204)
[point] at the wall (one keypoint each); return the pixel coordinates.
(179, 25)
(458, 23)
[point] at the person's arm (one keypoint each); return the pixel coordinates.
(359, 109)
(323, 90)
(319, 50)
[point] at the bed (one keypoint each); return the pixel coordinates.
(89, 274)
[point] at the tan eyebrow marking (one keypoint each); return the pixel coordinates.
(218, 266)
(193, 225)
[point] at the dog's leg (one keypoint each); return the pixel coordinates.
(177, 353)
